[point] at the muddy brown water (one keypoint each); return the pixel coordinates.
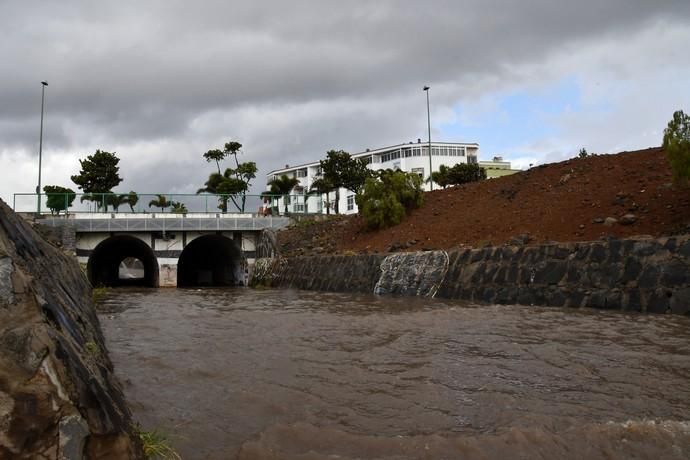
(238, 373)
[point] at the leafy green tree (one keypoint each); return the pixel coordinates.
(132, 199)
(226, 186)
(58, 198)
(583, 153)
(385, 199)
(322, 186)
(676, 143)
(178, 208)
(99, 174)
(441, 177)
(160, 202)
(234, 182)
(283, 185)
(341, 170)
(463, 173)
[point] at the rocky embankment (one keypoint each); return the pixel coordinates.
(59, 398)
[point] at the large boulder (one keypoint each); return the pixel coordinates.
(59, 398)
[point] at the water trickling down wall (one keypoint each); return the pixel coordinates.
(641, 274)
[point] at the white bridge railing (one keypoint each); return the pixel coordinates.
(166, 222)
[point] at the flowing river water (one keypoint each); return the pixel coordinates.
(275, 374)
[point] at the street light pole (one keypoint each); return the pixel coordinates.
(428, 121)
(40, 149)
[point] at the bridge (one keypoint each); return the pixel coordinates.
(165, 249)
(122, 242)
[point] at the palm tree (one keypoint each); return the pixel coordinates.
(178, 208)
(226, 186)
(322, 186)
(132, 199)
(116, 200)
(283, 185)
(162, 202)
(101, 199)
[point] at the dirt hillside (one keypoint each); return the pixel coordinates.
(566, 201)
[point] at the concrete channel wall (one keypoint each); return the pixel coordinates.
(644, 274)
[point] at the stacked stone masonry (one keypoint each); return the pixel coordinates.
(643, 274)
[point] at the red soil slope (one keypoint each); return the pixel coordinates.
(563, 201)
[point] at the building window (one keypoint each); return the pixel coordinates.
(407, 153)
(471, 159)
(395, 155)
(417, 151)
(385, 157)
(350, 202)
(302, 172)
(418, 171)
(435, 151)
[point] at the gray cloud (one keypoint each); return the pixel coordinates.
(163, 81)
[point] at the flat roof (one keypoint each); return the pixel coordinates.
(378, 150)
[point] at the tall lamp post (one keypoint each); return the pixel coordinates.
(428, 122)
(40, 148)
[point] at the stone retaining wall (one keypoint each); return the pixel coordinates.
(643, 274)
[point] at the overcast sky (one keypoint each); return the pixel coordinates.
(161, 82)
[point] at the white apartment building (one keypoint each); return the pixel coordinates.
(411, 157)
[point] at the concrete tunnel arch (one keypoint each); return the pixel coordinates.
(210, 260)
(104, 263)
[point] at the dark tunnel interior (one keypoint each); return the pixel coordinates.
(103, 268)
(210, 260)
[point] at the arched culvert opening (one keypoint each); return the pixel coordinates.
(210, 260)
(123, 261)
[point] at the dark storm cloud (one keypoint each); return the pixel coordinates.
(143, 74)
(118, 63)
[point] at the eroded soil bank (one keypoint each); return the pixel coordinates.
(565, 202)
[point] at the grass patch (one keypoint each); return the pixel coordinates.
(157, 445)
(98, 294)
(92, 348)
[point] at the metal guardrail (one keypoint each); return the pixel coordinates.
(134, 223)
(148, 203)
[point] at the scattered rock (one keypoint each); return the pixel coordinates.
(610, 221)
(628, 219)
(521, 239)
(598, 220)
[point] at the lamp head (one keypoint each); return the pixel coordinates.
(426, 88)
(44, 83)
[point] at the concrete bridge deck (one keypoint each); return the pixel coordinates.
(156, 222)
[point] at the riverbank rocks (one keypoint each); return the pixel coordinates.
(58, 395)
(641, 274)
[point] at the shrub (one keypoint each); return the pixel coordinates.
(385, 199)
(463, 173)
(58, 198)
(677, 146)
